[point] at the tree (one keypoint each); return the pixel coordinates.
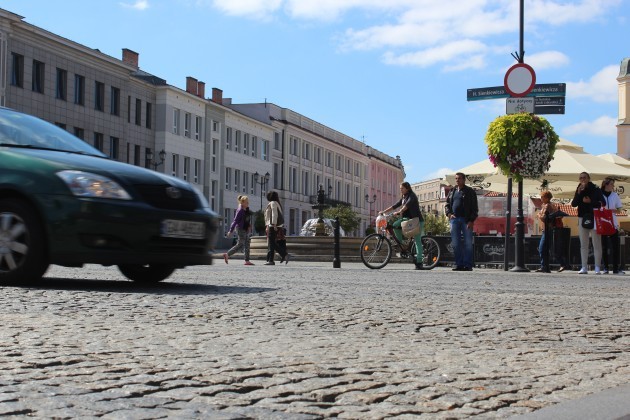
(436, 225)
(348, 219)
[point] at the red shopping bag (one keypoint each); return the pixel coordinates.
(604, 222)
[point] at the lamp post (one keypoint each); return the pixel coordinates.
(150, 162)
(263, 182)
(370, 202)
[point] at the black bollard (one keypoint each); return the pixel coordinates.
(337, 258)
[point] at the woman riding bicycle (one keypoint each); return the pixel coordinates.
(409, 208)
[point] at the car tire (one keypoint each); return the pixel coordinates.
(148, 273)
(23, 254)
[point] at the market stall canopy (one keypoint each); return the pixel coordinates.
(562, 178)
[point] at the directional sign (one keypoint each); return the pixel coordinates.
(540, 110)
(498, 92)
(549, 100)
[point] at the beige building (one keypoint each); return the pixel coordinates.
(431, 195)
(623, 123)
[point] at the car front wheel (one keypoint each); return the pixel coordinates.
(22, 243)
(148, 273)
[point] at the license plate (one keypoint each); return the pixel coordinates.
(183, 229)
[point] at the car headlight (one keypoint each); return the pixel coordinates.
(86, 184)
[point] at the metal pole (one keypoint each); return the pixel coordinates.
(508, 226)
(337, 257)
(519, 263)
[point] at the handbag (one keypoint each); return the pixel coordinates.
(411, 227)
(604, 222)
(587, 221)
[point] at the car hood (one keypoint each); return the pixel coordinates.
(119, 171)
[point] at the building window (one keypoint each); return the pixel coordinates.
(213, 194)
(138, 111)
(329, 159)
(276, 141)
(37, 84)
(175, 121)
(187, 122)
(265, 150)
(98, 141)
(148, 121)
(114, 101)
(254, 146)
(17, 70)
(79, 89)
(175, 165)
(186, 168)
(228, 178)
(245, 181)
(196, 171)
(318, 155)
(245, 143)
(215, 147)
(136, 155)
(237, 179)
(215, 126)
(61, 90)
(305, 179)
(128, 109)
(114, 152)
(228, 138)
(237, 140)
(99, 96)
(338, 162)
(79, 132)
(197, 127)
(306, 151)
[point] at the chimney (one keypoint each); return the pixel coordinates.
(130, 57)
(201, 90)
(217, 95)
(191, 85)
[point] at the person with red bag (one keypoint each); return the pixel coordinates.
(588, 197)
(613, 202)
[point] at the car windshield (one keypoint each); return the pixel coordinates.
(21, 130)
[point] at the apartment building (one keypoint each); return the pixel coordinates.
(223, 149)
(431, 195)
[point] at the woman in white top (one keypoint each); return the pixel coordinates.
(274, 222)
(612, 202)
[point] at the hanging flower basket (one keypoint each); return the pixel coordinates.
(521, 145)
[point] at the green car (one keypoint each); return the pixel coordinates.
(64, 202)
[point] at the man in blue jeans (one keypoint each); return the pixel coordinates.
(462, 210)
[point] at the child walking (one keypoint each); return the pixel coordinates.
(242, 225)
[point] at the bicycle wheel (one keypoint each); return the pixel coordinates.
(376, 251)
(431, 253)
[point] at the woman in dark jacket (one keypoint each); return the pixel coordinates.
(409, 208)
(588, 197)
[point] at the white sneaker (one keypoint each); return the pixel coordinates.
(583, 271)
(597, 270)
(620, 272)
(604, 271)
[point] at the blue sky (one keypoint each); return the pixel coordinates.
(392, 73)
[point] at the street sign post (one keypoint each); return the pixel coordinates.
(498, 92)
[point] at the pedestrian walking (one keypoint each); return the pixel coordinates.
(611, 242)
(408, 209)
(461, 208)
(548, 215)
(276, 233)
(242, 225)
(588, 197)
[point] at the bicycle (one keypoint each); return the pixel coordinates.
(376, 248)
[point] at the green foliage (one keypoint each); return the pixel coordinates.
(259, 222)
(436, 225)
(521, 145)
(348, 219)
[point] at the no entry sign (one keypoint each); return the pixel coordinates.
(519, 80)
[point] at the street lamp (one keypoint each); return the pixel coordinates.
(263, 182)
(367, 199)
(150, 162)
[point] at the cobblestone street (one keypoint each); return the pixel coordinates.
(305, 340)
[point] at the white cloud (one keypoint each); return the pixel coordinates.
(603, 126)
(602, 87)
(258, 9)
(138, 5)
(547, 60)
(455, 51)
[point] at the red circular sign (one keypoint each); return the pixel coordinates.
(519, 80)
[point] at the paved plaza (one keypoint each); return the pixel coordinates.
(308, 341)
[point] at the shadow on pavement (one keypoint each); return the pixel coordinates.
(124, 286)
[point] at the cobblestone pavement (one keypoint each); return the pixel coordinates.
(305, 341)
